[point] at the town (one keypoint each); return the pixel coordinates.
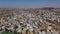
(30, 21)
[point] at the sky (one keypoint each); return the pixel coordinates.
(30, 3)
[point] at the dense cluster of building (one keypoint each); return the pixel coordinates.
(30, 21)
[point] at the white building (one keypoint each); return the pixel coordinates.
(58, 18)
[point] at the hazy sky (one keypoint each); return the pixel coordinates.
(29, 3)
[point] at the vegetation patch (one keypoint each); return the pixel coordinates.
(7, 32)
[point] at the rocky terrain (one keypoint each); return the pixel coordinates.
(30, 21)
